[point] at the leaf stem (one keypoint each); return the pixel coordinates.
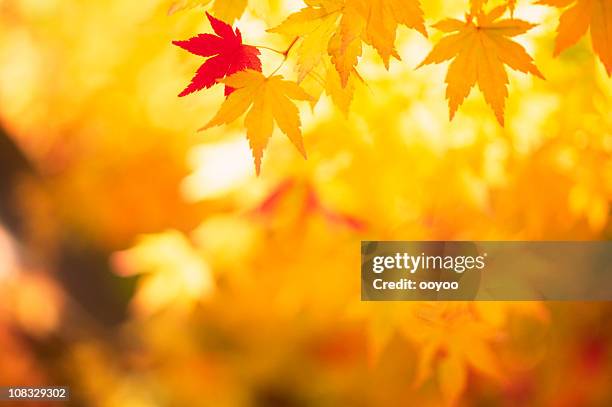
(268, 48)
(295, 40)
(285, 55)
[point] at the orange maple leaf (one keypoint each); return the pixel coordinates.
(583, 15)
(480, 47)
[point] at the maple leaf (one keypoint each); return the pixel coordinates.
(314, 25)
(477, 5)
(226, 10)
(325, 79)
(452, 378)
(583, 15)
(341, 27)
(179, 5)
(480, 47)
(469, 348)
(269, 102)
(225, 52)
(511, 6)
(342, 95)
(229, 10)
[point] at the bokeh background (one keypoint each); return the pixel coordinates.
(142, 263)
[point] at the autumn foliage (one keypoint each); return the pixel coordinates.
(146, 263)
(330, 35)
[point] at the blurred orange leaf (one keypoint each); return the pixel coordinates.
(452, 378)
(595, 15)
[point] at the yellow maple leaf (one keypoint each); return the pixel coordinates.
(179, 5)
(342, 96)
(269, 101)
(229, 10)
(480, 47)
(340, 27)
(325, 79)
(382, 20)
(226, 10)
(314, 25)
(583, 15)
(345, 46)
(476, 6)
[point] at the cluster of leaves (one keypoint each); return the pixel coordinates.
(329, 36)
(259, 287)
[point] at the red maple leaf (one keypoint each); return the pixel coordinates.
(226, 55)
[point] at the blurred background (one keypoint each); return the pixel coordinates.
(142, 263)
